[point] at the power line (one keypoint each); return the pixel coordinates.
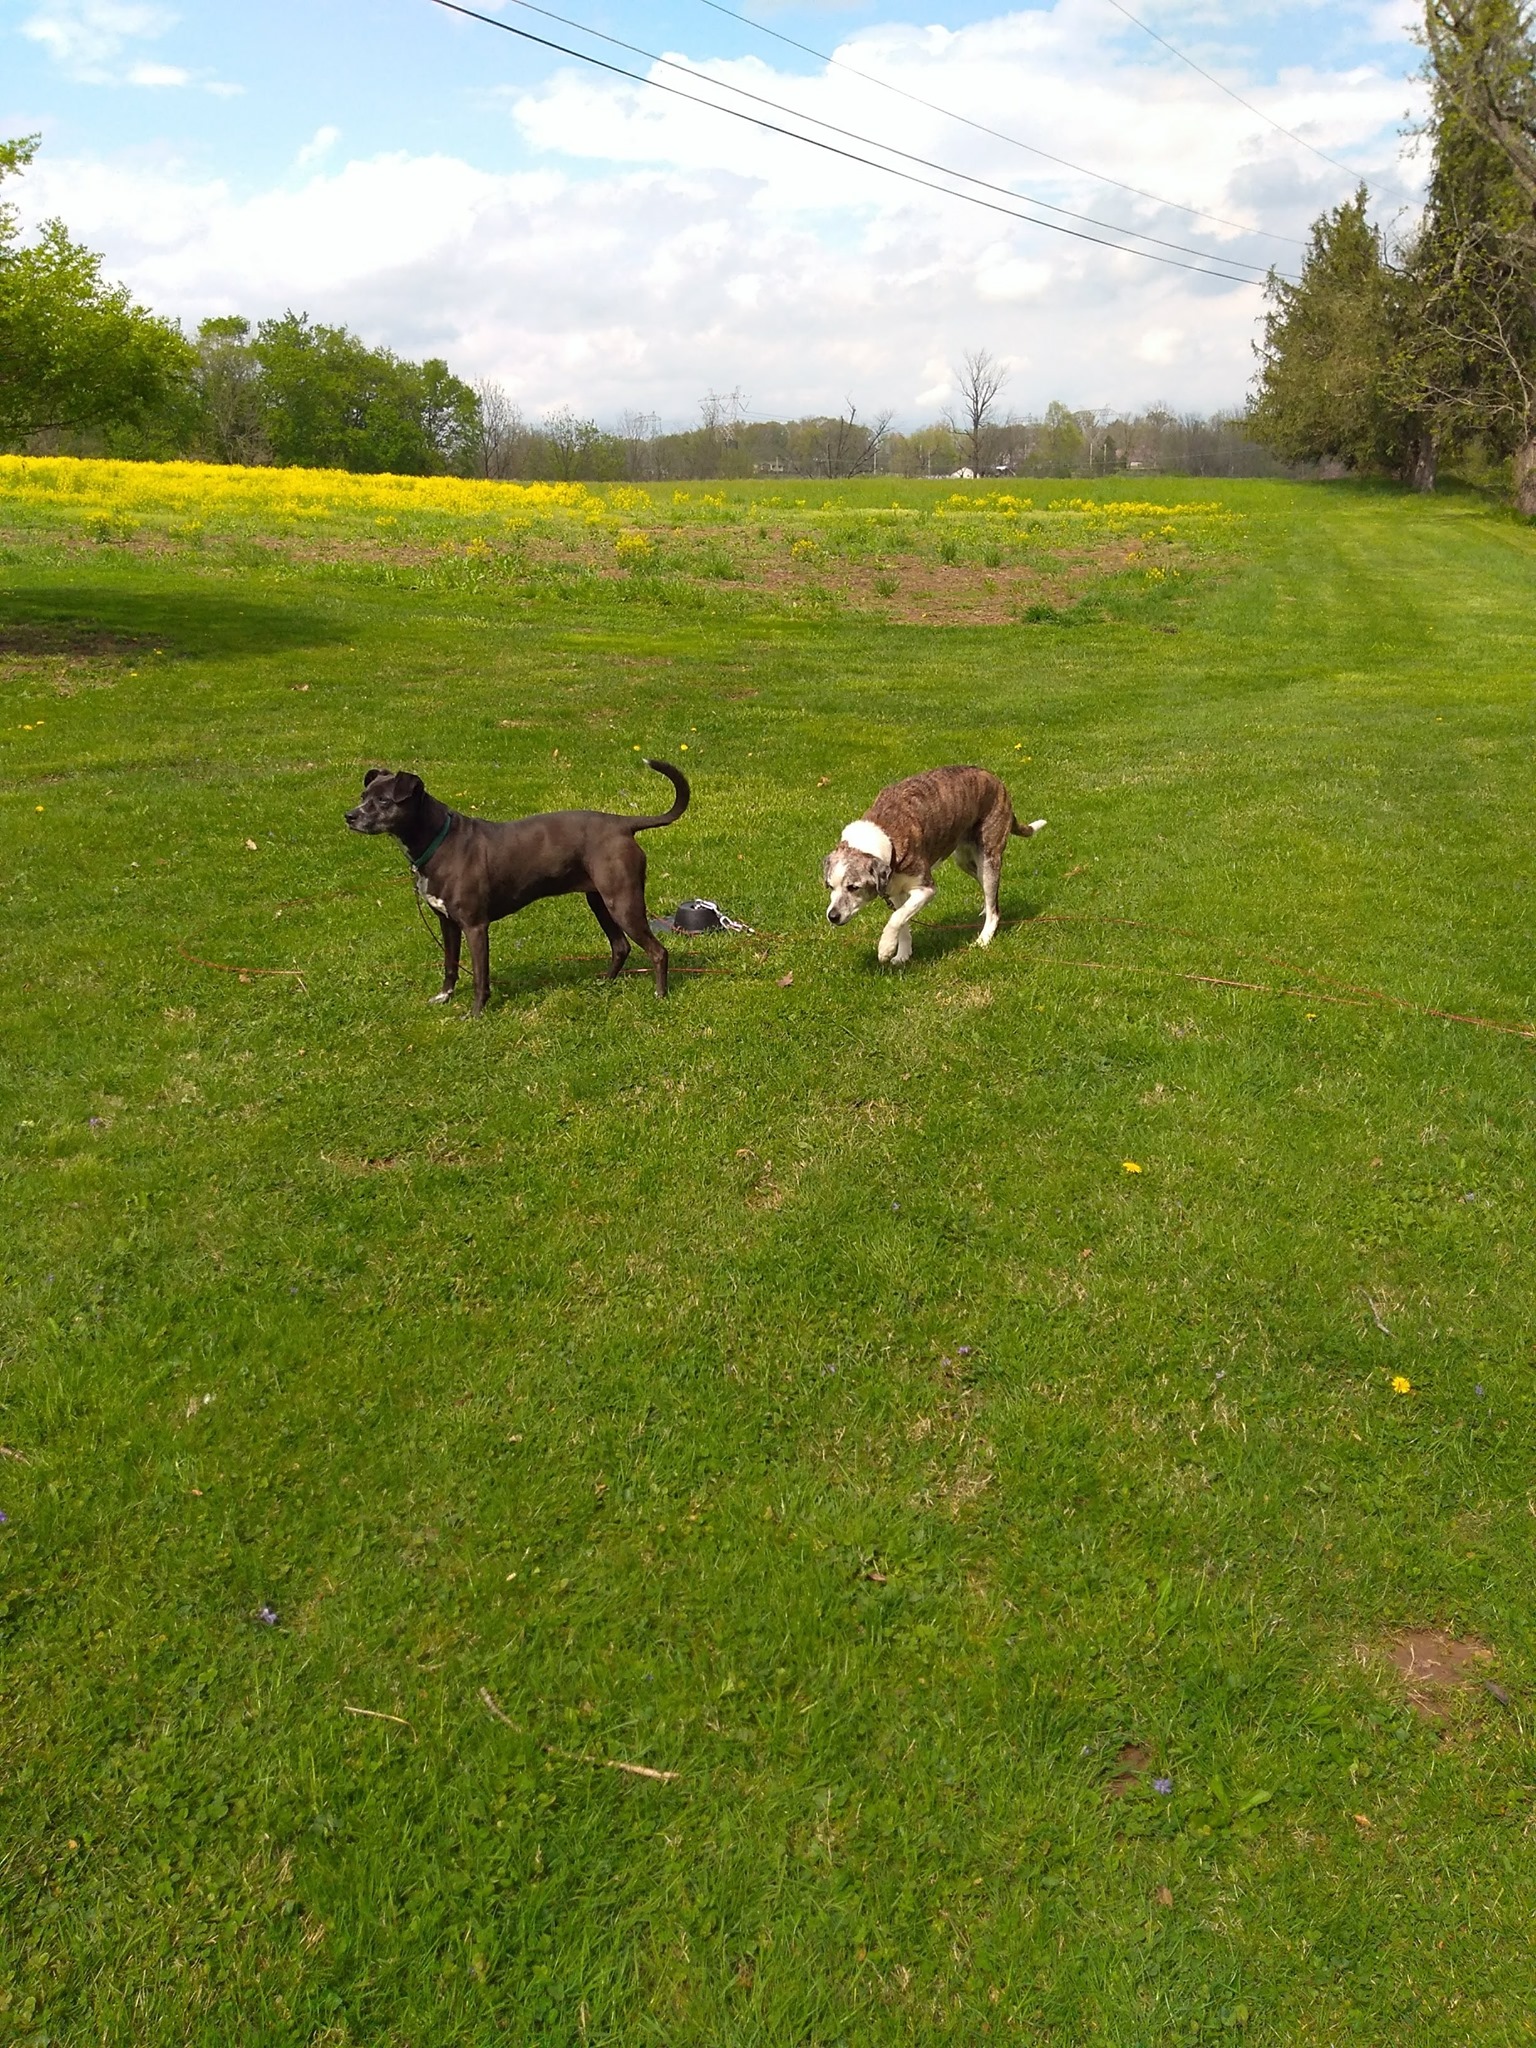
(1211, 77)
(832, 149)
(997, 134)
(889, 148)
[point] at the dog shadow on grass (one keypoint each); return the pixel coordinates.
(946, 935)
(522, 984)
(105, 619)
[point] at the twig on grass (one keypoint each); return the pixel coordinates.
(611, 1764)
(371, 1714)
(606, 1763)
(1376, 1317)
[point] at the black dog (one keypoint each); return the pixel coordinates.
(473, 870)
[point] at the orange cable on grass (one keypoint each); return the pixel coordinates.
(245, 973)
(1358, 997)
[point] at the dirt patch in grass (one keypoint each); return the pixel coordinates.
(1432, 1665)
(1131, 1762)
(970, 570)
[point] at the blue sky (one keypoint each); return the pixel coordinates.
(438, 184)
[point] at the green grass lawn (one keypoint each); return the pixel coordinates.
(785, 1388)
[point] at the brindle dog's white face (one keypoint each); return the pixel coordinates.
(854, 879)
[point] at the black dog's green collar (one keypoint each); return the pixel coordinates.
(419, 860)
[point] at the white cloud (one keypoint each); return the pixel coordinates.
(664, 250)
(157, 74)
(319, 145)
(88, 37)
(1160, 345)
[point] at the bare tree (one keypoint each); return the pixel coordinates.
(1483, 61)
(640, 431)
(1482, 58)
(848, 448)
(502, 436)
(981, 378)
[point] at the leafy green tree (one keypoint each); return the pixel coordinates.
(232, 403)
(1327, 385)
(75, 353)
(1059, 442)
(328, 401)
(572, 449)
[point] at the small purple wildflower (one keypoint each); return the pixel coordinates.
(895, 1205)
(1478, 1391)
(268, 1615)
(1163, 1785)
(98, 1123)
(4, 1517)
(964, 1350)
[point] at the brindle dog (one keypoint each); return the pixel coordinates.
(910, 827)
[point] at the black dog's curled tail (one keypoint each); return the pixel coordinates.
(679, 782)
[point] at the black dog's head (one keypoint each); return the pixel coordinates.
(390, 800)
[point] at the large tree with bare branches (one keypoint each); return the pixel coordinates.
(1475, 259)
(981, 378)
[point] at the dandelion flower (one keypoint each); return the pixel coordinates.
(1401, 1384)
(1129, 1166)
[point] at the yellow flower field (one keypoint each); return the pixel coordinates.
(905, 549)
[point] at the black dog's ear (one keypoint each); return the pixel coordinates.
(410, 785)
(373, 775)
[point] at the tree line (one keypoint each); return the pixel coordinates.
(1398, 356)
(1403, 355)
(85, 370)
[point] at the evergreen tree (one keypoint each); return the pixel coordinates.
(1328, 387)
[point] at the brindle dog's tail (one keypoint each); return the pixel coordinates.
(679, 782)
(1019, 831)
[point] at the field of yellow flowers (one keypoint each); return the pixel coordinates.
(915, 551)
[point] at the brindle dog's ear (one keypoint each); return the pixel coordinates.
(882, 875)
(826, 871)
(373, 775)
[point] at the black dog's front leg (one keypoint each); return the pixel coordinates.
(451, 935)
